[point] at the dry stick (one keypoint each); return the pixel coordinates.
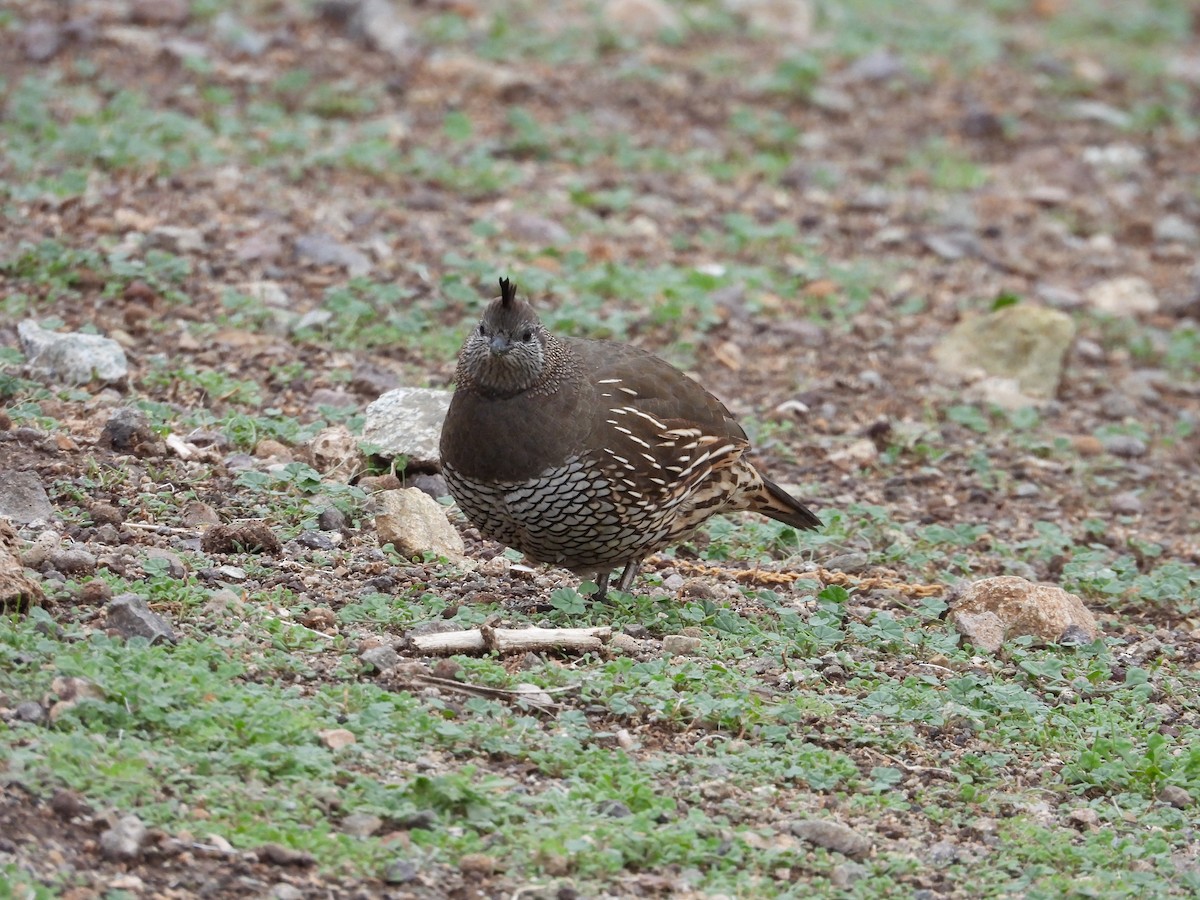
(761, 577)
(513, 640)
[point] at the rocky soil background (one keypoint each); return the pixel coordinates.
(941, 260)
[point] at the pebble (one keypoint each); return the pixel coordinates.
(1175, 796)
(197, 513)
(72, 561)
(361, 824)
(332, 519)
(382, 658)
(1175, 229)
(1125, 296)
(29, 711)
(231, 573)
(1117, 406)
(131, 616)
(849, 563)
(1087, 445)
(400, 871)
(323, 250)
(1125, 446)
(246, 536)
(24, 500)
(477, 864)
(1084, 818)
(170, 561)
(1126, 503)
(337, 738)
(72, 358)
(124, 840)
(623, 643)
(680, 645)
(41, 40)
(642, 18)
(831, 835)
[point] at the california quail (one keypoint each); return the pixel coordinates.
(590, 454)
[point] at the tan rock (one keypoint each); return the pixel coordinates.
(1024, 342)
(641, 18)
(18, 591)
(415, 524)
(991, 611)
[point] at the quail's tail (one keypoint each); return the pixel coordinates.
(777, 503)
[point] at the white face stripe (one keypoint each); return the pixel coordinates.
(609, 381)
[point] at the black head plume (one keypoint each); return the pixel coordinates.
(508, 293)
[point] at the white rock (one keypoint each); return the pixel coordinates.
(72, 358)
(1124, 296)
(406, 422)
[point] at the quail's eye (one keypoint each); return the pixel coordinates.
(528, 335)
(482, 330)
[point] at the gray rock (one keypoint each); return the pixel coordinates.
(1125, 446)
(29, 711)
(332, 519)
(1126, 503)
(126, 429)
(680, 645)
(537, 230)
(433, 485)
(407, 422)
(1175, 229)
(1024, 342)
(877, 66)
(832, 836)
(845, 875)
(382, 658)
(380, 26)
(72, 358)
(23, 499)
(235, 574)
(316, 540)
(130, 615)
(943, 853)
(415, 524)
(361, 824)
(124, 840)
(233, 32)
(953, 245)
(71, 561)
(1026, 489)
(850, 563)
(1175, 795)
(1117, 406)
(320, 249)
(1096, 111)
(401, 871)
(41, 40)
(175, 239)
(175, 567)
(614, 809)
(1057, 296)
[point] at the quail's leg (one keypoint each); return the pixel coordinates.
(601, 587)
(628, 575)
